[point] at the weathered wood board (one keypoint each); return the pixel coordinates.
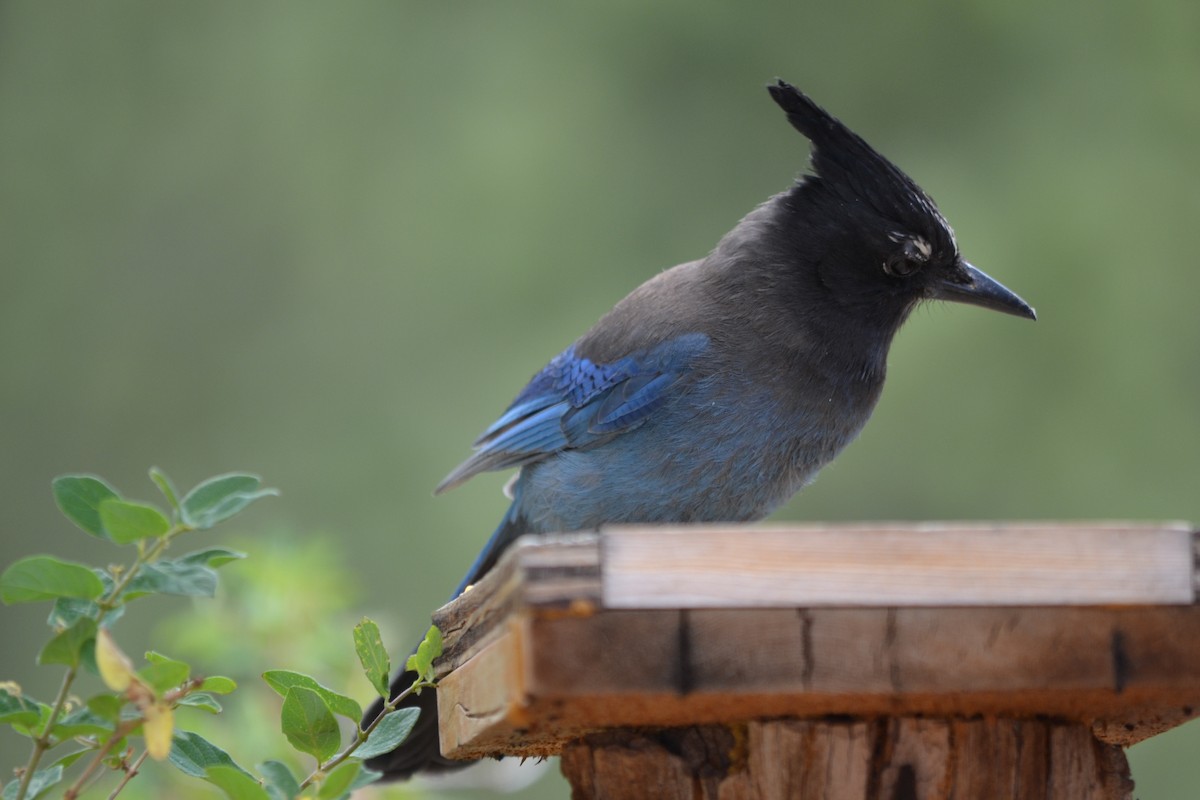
(545, 649)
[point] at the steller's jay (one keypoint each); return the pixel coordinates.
(718, 389)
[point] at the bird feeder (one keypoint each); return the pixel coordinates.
(905, 662)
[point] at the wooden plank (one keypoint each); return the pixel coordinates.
(898, 565)
(558, 573)
(549, 678)
(541, 651)
(978, 759)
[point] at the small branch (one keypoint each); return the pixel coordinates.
(42, 743)
(130, 772)
(110, 602)
(364, 733)
(118, 733)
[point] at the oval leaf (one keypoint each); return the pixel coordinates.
(164, 673)
(41, 782)
(201, 700)
(219, 498)
(282, 680)
(366, 776)
(70, 758)
(82, 722)
(46, 578)
(371, 653)
(69, 610)
(236, 784)
(165, 486)
(127, 522)
(106, 706)
(338, 782)
(309, 725)
(173, 577)
(193, 755)
(17, 710)
(280, 778)
(79, 498)
(389, 733)
(211, 557)
(157, 728)
(67, 646)
(218, 684)
(115, 668)
(421, 662)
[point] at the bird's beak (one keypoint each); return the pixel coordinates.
(970, 285)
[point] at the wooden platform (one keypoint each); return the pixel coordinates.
(662, 627)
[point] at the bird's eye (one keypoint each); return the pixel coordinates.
(899, 266)
(910, 258)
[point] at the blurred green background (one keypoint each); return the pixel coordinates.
(329, 242)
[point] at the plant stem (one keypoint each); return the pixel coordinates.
(118, 733)
(42, 743)
(112, 600)
(129, 775)
(388, 708)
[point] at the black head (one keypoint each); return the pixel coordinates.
(883, 244)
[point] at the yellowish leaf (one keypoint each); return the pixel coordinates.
(116, 670)
(158, 727)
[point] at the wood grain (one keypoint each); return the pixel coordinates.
(1126, 672)
(546, 652)
(897, 565)
(897, 759)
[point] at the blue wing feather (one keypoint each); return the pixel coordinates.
(575, 403)
(635, 399)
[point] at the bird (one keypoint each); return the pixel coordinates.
(720, 387)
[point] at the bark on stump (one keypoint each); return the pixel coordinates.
(884, 759)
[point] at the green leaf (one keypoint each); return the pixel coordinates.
(81, 722)
(193, 755)
(107, 706)
(309, 725)
(283, 680)
(113, 761)
(366, 776)
(69, 610)
(16, 709)
(337, 783)
(172, 577)
(281, 784)
(126, 522)
(22, 727)
(211, 557)
(218, 684)
(389, 733)
(236, 784)
(165, 486)
(79, 497)
(421, 662)
(164, 673)
(201, 700)
(70, 758)
(219, 498)
(87, 656)
(41, 782)
(209, 492)
(371, 653)
(45, 578)
(67, 646)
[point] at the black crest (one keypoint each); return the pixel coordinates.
(855, 170)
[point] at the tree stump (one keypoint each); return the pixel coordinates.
(922, 662)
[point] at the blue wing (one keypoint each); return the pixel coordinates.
(575, 403)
